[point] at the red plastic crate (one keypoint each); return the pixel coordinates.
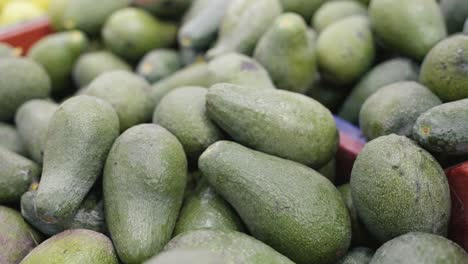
(26, 34)
(458, 180)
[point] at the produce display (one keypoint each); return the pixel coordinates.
(214, 132)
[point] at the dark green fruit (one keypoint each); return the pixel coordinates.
(305, 8)
(192, 256)
(10, 139)
(333, 11)
(164, 8)
(159, 64)
(455, 13)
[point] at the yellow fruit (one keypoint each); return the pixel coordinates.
(19, 11)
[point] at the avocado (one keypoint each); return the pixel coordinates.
(328, 94)
(233, 246)
(243, 24)
(92, 64)
(345, 50)
(201, 23)
(418, 247)
(205, 209)
(144, 181)
(127, 93)
(443, 129)
(159, 64)
(393, 109)
(385, 73)
(29, 212)
(288, 53)
(183, 113)
(398, 187)
(20, 80)
(75, 246)
(192, 256)
(411, 28)
(465, 28)
(305, 8)
(308, 223)
(56, 12)
(276, 122)
(358, 255)
(331, 12)
(455, 13)
(58, 53)
(8, 51)
(169, 9)
(16, 174)
(80, 135)
(329, 170)
(132, 32)
(445, 70)
(32, 121)
(18, 238)
(10, 139)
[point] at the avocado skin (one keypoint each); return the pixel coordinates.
(443, 129)
(159, 64)
(80, 135)
(192, 256)
(205, 209)
(329, 170)
(256, 118)
(149, 161)
(32, 121)
(91, 65)
(394, 109)
(398, 187)
(359, 255)
(417, 247)
(8, 51)
(306, 8)
(235, 247)
(410, 27)
(445, 70)
(288, 53)
(10, 139)
(388, 72)
(20, 80)
(455, 13)
(331, 12)
(132, 32)
(183, 113)
(74, 246)
(345, 50)
(58, 53)
(311, 225)
(170, 9)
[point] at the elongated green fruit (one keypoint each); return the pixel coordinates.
(148, 161)
(10, 139)
(159, 64)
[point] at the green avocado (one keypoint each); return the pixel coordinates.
(233, 246)
(277, 122)
(192, 256)
(10, 139)
(445, 69)
(288, 53)
(132, 32)
(305, 8)
(385, 73)
(171, 9)
(243, 24)
(345, 50)
(8, 51)
(333, 11)
(410, 27)
(398, 187)
(328, 94)
(159, 64)
(329, 170)
(144, 181)
(417, 247)
(393, 109)
(18, 238)
(75, 246)
(443, 129)
(455, 13)
(20, 81)
(285, 204)
(358, 255)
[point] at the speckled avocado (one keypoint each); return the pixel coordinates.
(159, 64)
(257, 118)
(149, 161)
(394, 109)
(74, 246)
(444, 128)
(10, 139)
(358, 255)
(329, 170)
(455, 13)
(311, 223)
(334, 11)
(398, 187)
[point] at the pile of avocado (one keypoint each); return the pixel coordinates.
(202, 131)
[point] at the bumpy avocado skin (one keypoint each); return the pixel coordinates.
(345, 50)
(235, 247)
(417, 247)
(18, 238)
(398, 187)
(159, 64)
(80, 135)
(455, 13)
(388, 72)
(311, 223)
(20, 81)
(10, 139)
(148, 161)
(409, 27)
(74, 246)
(288, 53)
(333, 11)
(444, 129)
(395, 108)
(445, 69)
(359, 255)
(183, 113)
(277, 122)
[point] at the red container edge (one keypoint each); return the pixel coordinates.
(26, 34)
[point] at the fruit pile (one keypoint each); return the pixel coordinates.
(180, 131)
